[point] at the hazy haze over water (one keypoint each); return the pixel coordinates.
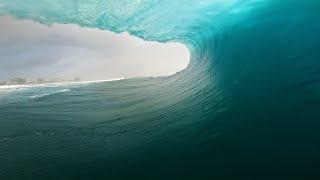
(31, 50)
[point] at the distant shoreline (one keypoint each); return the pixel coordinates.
(58, 83)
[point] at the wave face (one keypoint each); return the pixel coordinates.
(247, 106)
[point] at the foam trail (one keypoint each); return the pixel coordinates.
(49, 94)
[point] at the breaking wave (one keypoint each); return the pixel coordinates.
(245, 107)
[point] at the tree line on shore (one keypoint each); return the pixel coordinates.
(24, 81)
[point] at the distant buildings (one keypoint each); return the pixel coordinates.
(19, 81)
(14, 81)
(76, 80)
(3, 83)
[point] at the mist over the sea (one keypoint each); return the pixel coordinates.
(31, 50)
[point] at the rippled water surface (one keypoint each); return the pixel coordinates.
(247, 106)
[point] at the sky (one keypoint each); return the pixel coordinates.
(31, 50)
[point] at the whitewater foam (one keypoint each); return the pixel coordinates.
(27, 86)
(49, 94)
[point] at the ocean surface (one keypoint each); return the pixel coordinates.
(246, 107)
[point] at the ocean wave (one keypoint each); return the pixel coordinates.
(49, 94)
(238, 110)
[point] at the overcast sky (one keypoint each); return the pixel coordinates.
(29, 49)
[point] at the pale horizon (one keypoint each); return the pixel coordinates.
(31, 50)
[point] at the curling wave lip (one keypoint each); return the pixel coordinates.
(239, 111)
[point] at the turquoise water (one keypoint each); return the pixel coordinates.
(247, 106)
